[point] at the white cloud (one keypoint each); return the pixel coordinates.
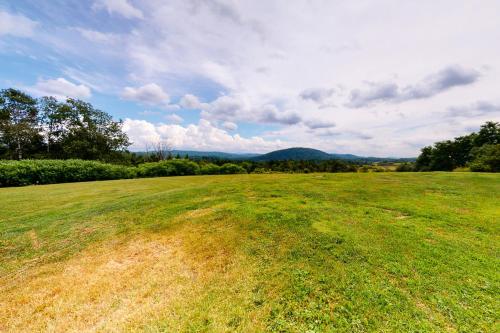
(173, 118)
(190, 102)
(300, 66)
(97, 36)
(16, 25)
(60, 88)
(318, 95)
(149, 94)
(445, 79)
(120, 7)
(201, 136)
(230, 126)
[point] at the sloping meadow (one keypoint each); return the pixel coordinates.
(273, 252)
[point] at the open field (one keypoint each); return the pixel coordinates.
(384, 252)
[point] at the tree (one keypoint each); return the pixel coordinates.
(19, 130)
(89, 133)
(424, 159)
(488, 134)
(52, 122)
(486, 158)
(158, 151)
(462, 151)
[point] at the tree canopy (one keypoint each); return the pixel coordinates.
(480, 151)
(47, 128)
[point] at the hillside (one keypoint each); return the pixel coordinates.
(253, 253)
(309, 154)
(294, 154)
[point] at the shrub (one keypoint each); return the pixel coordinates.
(175, 167)
(261, 170)
(210, 169)
(26, 172)
(405, 167)
(230, 168)
(486, 159)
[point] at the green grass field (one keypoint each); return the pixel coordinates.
(383, 252)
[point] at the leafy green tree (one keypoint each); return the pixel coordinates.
(450, 154)
(486, 158)
(488, 134)
(424, 159)
(52, 121)
(19, 130)
(89, 133)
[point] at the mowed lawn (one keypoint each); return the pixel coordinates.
(385, 252)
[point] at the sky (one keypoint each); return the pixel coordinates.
(372, 78)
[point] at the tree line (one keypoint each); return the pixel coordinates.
(478, 151)
(46, 128)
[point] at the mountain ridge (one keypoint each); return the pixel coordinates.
(293, 153)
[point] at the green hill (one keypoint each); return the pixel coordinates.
(306, 154)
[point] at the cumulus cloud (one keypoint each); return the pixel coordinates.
(233, 108)
(447, 78)
(190, 102)
(201, 136)
(149, 94)
(16, 25)
(60, 88)
(376, 93)
(271, 114)
(318, 95)
(173, 118)
(230, 126)
(120, 7)
(436, 83)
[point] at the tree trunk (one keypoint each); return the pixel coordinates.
(19, 150)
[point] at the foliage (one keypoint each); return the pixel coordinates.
(26, 172)
(209, 169)
(460, 152)
(19, 128)
(231, 168)
(48, 128)
(174, 167)
(405, 167)
(486, 158)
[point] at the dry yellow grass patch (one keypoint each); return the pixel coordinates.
(114, 287)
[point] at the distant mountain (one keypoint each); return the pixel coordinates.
(309, 154)
(297, 153)
(294, 154)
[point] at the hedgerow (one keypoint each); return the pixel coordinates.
(28, 172)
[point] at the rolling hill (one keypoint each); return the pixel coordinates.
(295, 153)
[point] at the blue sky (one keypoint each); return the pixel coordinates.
(378, 78)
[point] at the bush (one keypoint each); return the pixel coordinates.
(486, 159)
(230, 168)
(405, 167)
(210, 169)
(175, 167)
(26, 172)
(261, 170)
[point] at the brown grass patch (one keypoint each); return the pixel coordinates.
(109, 288)
(35, 243)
